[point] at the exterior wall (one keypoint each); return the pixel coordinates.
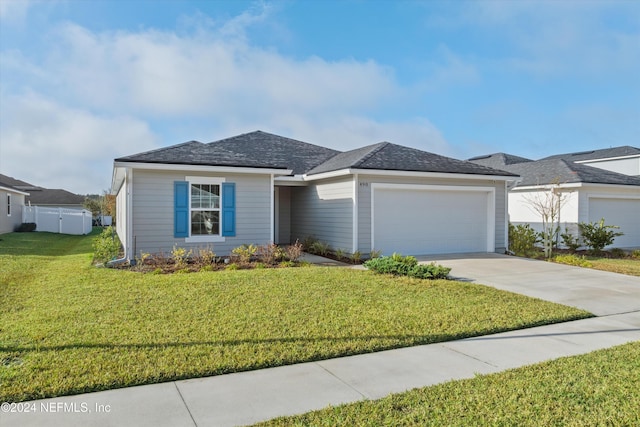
(121, 213)
(364, 204)
(521, 210)
(153, 212)
(284, 216)
(324, 210)
(9, 222)
(630, 166)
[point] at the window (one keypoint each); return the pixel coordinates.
(205, 209)
(8, 204)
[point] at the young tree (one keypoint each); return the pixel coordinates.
(548, 204)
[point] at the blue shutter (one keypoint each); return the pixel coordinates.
(228, 209)
(181, 209)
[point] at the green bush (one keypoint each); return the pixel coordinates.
(597, 235)
(25, 227)
(522, 239)
(572, 260)
(570, 241)
(106, 246)
(244, 253)
(398, 265)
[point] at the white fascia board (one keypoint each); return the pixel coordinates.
(117, 178)
(13, 190)
(604, 159)
(573, 185)
(413, 174)
(203, 168)
(327, 175)
(542, 187)
(434, 175)
(292, 181)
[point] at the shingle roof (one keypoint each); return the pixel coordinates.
(256, 149)
(388, 156)
(560, 171)
(264, 150)
(16, 184)
(47, 196)
(605, 153)
(498, 160)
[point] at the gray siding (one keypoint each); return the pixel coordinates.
(364, 204)
(153, 211)
(9, 222)
(324, 210)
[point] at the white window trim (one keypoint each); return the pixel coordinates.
(9, 204)
(207, 180)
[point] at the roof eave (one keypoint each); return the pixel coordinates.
(13, 190)
(203, 168)
(384, 172)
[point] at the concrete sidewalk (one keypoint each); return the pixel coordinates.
(249, 397)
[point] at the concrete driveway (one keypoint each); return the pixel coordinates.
(599, 292)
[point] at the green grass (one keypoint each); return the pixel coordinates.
(596, 389)
(629, 266)
(67, 327)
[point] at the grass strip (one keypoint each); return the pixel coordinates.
(595, 389)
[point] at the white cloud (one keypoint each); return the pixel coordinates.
(48, 144)
(96, 96)
(13, 11)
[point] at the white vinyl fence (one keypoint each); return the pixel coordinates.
(58, 220)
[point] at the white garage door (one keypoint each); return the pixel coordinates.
(421, 220)
(624, 213)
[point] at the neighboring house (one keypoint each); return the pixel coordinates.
(11, 204)
(55, 198)
(45, 197)
(260, 188)
(588, 193)
(625, 159)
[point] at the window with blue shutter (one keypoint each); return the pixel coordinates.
(181, 209)
(228, 209)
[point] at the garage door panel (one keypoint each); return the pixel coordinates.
(624, 213)
(429, 221)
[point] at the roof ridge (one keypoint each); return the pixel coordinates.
(274, 135)
(375, 149)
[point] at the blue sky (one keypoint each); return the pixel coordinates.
(85, 81)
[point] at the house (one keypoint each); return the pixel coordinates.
(588, 193)
(46, 197)
(12, 202)
(625, 159)
(259, 188)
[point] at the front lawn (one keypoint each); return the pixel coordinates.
(67, 327)
(596, 389)
(630, 266)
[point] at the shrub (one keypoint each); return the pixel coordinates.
(206, 257)
(319, 248)
(570, 241)
(270, 254)
(522, 239)
(356, 257)
(339, 253)
(287, 264)
(180, 256)
(398, 265)
(106, 246)
(294, 252)
(244, 253)
(635, 254)
(597, 235)
(375, 253)
(232, 266)
(572, 260)
(308, 242)
(25, 227)
(618, 253)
